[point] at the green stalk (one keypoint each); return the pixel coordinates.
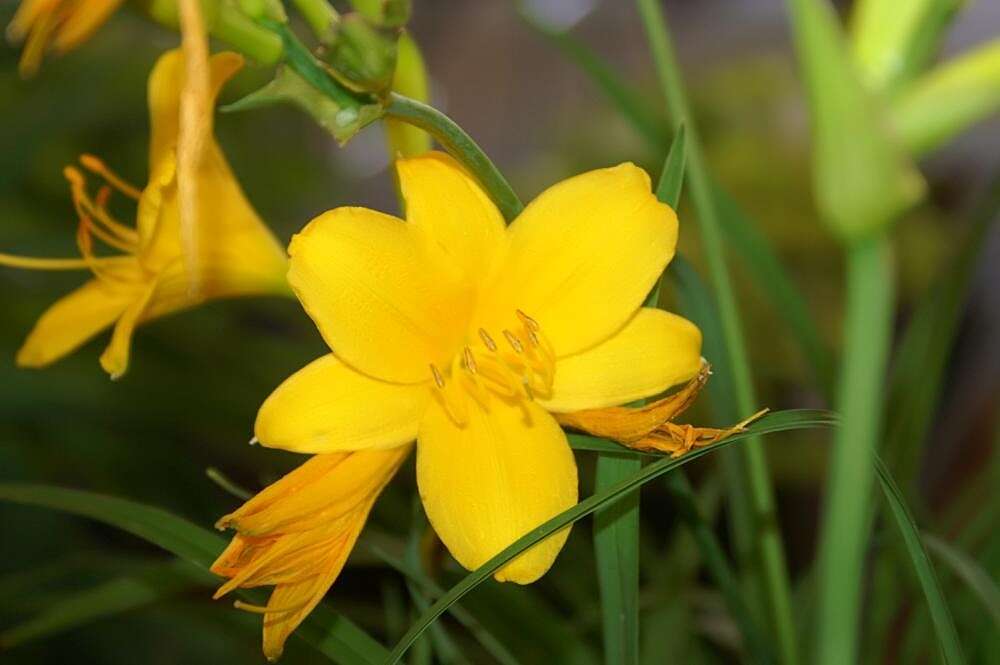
(616, 549)
(452, 137)
(867, 335)
(768, 546)
(461, 146)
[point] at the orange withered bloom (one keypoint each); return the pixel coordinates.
(56, 25)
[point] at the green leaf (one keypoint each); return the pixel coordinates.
(616, 550)
(944, 626)
(861, 179)
(668, 189)
(288, 87)
(949, 99)
(965, 568)
(149, 584)
(330, 633)
(893, 40)
(773, 422)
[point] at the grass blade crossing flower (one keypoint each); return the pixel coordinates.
(467, 336)
(148, 277)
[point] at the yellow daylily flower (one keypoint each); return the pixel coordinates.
(453, 330)
(59, 25)
(149, 278)
(297, 533)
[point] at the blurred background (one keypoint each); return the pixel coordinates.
(196, 379)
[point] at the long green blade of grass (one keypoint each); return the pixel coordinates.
(616, 550)
(944, 626)
(753, 462)
(144, 586)
(967, 569)
(328, 632)
(779, 421)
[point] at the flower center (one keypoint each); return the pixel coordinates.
(520, 367)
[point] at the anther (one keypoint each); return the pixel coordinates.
(470, 360)
(528, 321)
(513, 341)
(487, 340)
(533, 338)
(96, 166)
(438, 378)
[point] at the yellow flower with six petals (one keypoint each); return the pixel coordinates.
(466, 336)
(61, 25)
(150, 277)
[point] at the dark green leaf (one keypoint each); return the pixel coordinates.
(944, 626)
(330, 633)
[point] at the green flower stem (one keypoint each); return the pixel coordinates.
(423, 116)
(768, 545)
(867, 335)
(461, 146)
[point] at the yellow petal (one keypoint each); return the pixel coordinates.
(70, 322)
(327, 406)
(381, 300)
(114, 360)
(164, 93)
(488, 483)
(654, 351)
(445, 202)
(237, 253)
(582, 257)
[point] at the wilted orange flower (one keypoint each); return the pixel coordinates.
(57, 25)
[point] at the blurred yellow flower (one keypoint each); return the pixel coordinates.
(59, 25)
(453, 330)
(297, 534)
(150, 276)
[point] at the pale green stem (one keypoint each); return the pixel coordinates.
(768, 545)
(867, 336)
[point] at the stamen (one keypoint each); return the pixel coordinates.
(438, 378)
(32, 263)
(513, 340)
(528, 321)
(261, 609)
(86, 208)
(103, 196)
(533, 338)
(470, 360)
(96, 166)
(487, 340)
